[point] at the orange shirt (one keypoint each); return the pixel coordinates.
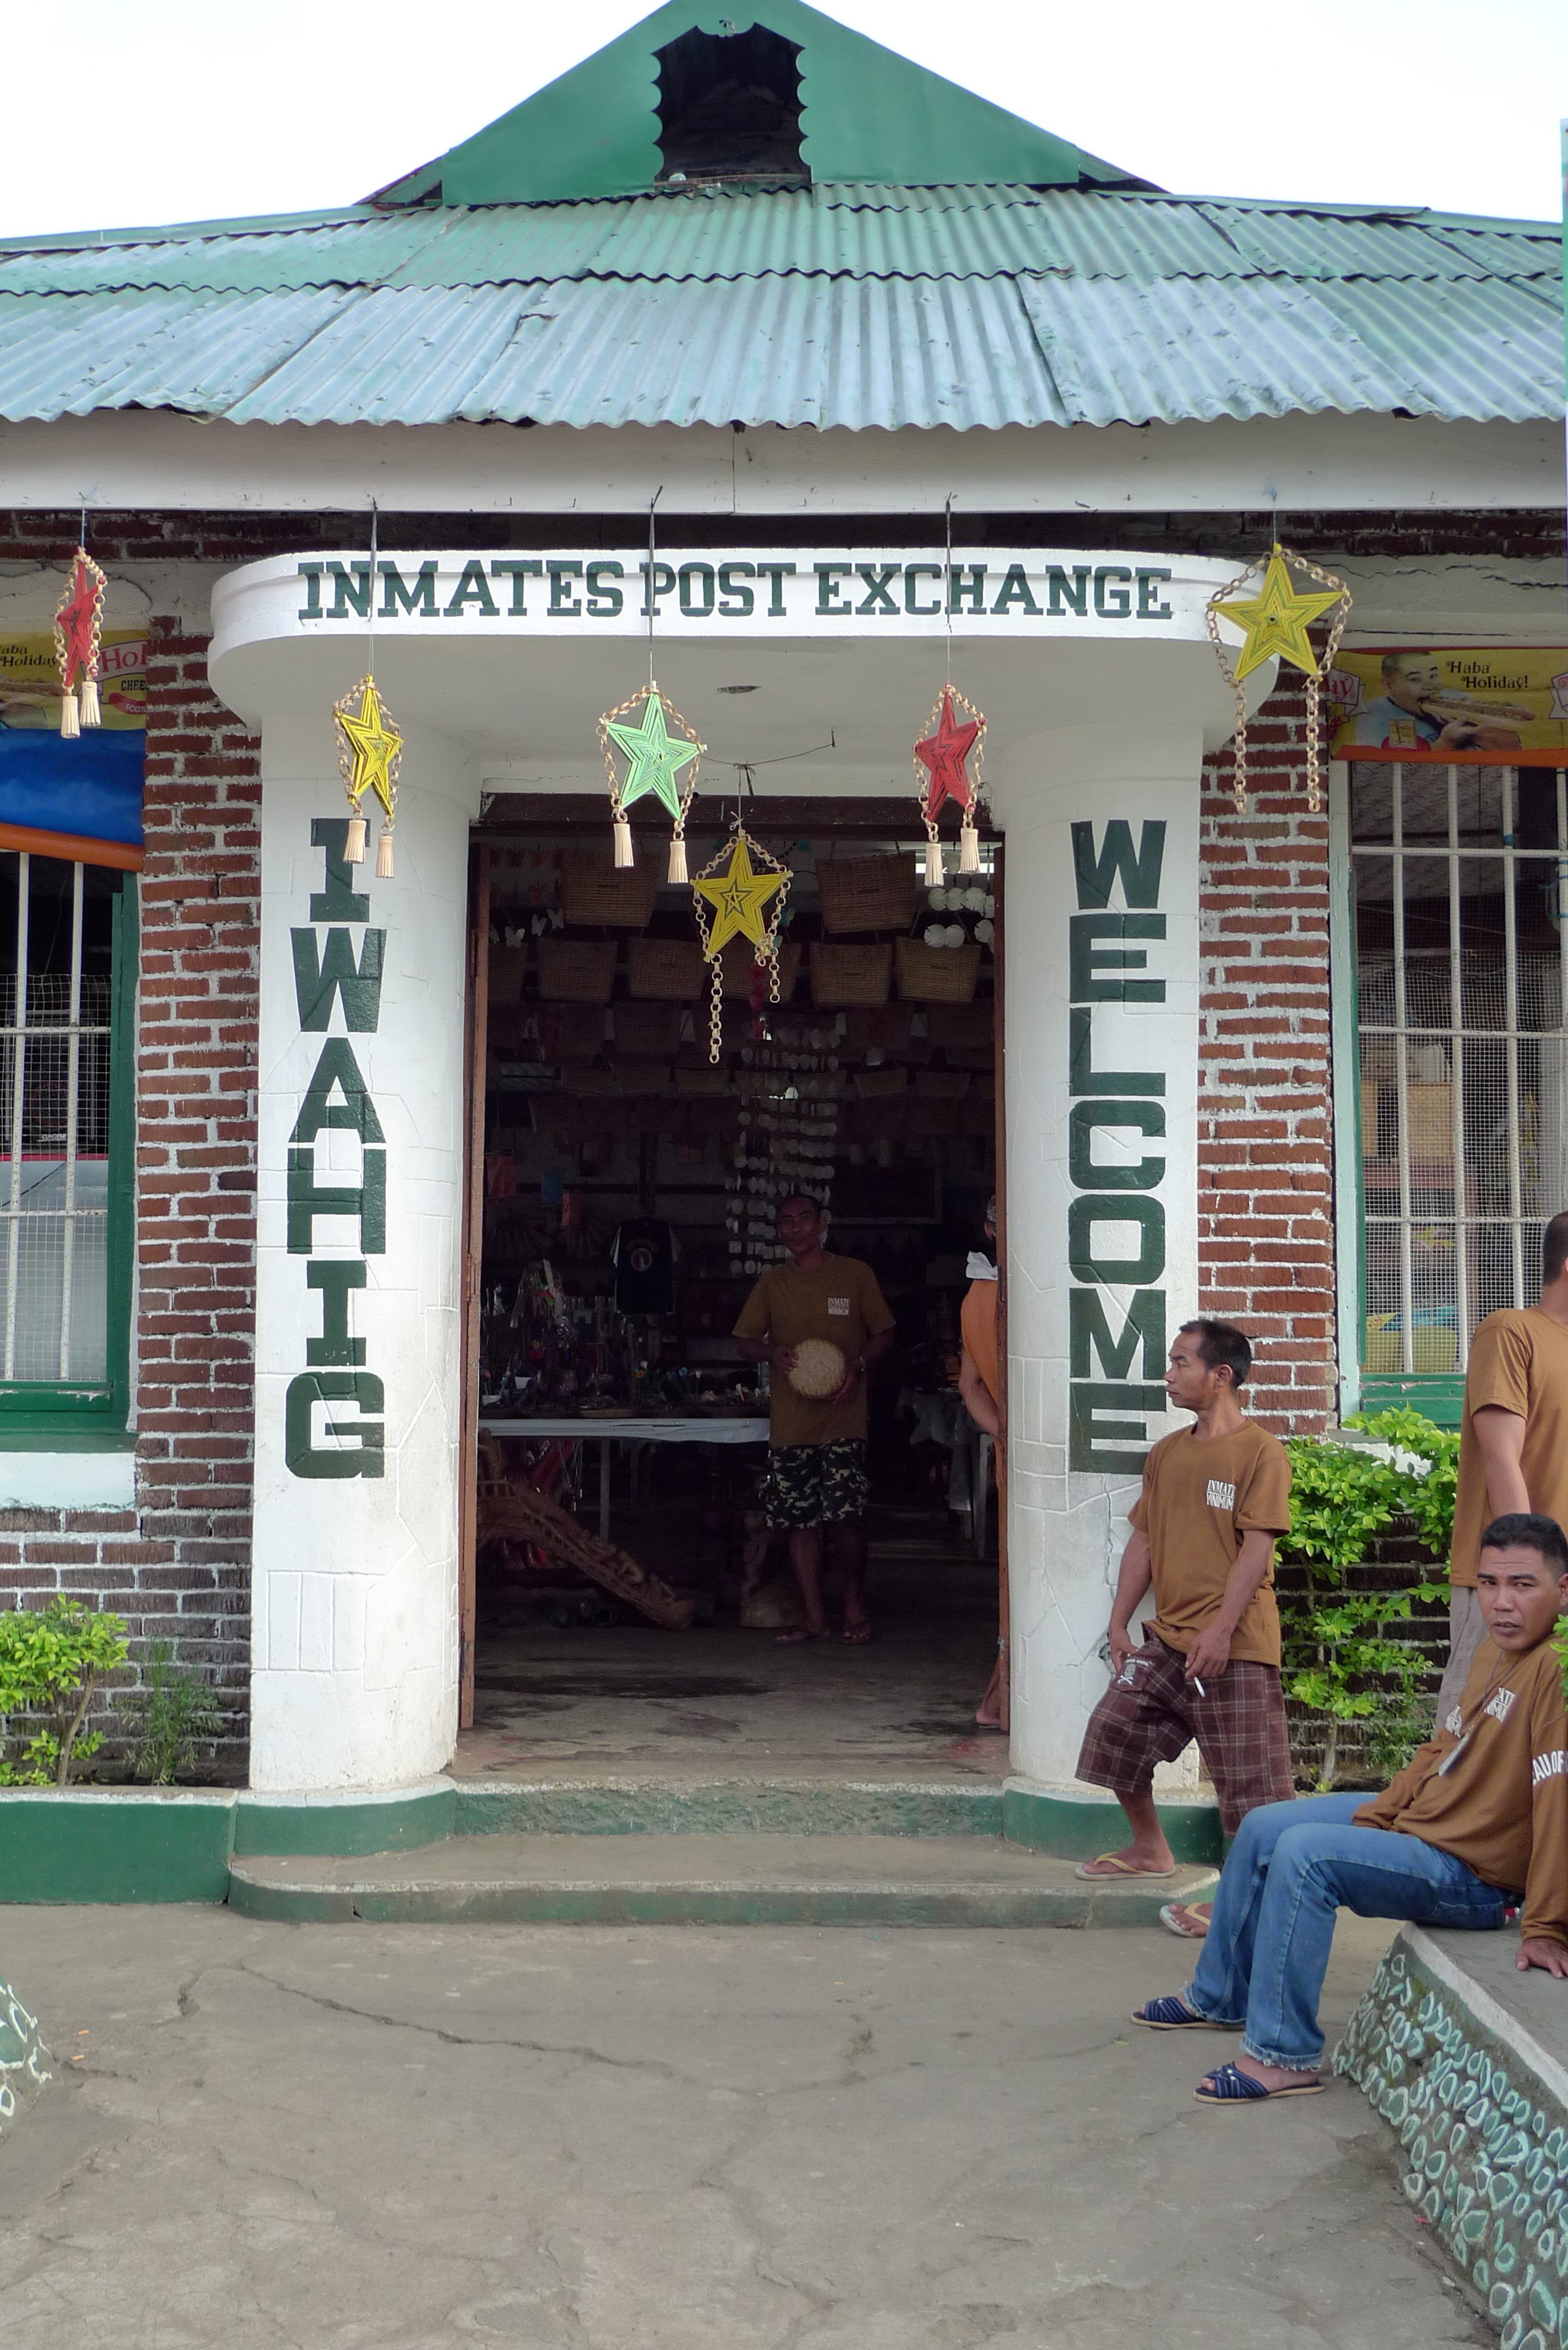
(1519, 1358)
(977, 1320)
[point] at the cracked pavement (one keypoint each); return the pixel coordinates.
(360, 2137)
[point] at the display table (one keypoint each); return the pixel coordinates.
(631, 1429)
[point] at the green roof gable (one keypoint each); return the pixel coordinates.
(866, 114)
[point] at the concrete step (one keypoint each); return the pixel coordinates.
(729, 1804)
(702, 1880)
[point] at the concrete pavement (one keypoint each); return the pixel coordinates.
(374, 2137)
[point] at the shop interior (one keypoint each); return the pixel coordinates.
(625, 1599)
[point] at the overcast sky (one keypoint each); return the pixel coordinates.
(185, 109)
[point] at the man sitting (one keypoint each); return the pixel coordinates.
(1475, 1824)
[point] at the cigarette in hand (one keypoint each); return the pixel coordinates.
(1199, 1686)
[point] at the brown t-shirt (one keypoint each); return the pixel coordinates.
(1519, 1358)
(839, 1301)
(1502, 1808)
(1200, 1497)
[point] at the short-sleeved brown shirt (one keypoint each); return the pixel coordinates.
(1519, 1358)
(1200, 1497)
(839, 1300)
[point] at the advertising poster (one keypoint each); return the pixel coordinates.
(78, 797)
(1492, 707)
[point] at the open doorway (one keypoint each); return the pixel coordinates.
(623, 1598)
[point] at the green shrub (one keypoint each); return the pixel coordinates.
(171, 1713)
(1341, 1659)
(51, 1660)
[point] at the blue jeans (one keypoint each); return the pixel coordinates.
(1291, 1867)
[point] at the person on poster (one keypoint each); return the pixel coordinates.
(1215, 1498)
(1474, 1825)
(1513, 1439)
(1410, 715)
(816, 1478)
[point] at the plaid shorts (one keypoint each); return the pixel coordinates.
(1151, 1711)
(816, 1484)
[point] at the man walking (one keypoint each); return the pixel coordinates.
(816, 1462)
(1513, 1439)
(1214, 1498)
(1476, 1824)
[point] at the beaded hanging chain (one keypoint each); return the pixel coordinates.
(1275, 624)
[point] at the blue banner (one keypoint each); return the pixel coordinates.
(89, 787)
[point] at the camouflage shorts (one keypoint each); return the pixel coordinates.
(816, 1484)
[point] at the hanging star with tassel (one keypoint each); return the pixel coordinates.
(373, 746)
(78, 621)
(944, 755)
(657, 757)
(1276, 621)
(739, 895)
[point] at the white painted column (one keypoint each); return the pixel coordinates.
(1136, 985)
(355, 1677)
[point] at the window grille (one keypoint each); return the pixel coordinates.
(1460, 881)
(56, 988)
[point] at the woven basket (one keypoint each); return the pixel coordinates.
(666, 970)
(702, 1082)
(570, 1032)
(887, 1024)
(881, 1084)
(586, 1078)
(941, 1085)
(594, 892)
(577, 971)
(937, 974)
(641, 1073)
(737, 962)
(865, 893)
(842, 975)
(646, 1028)
(507, 966)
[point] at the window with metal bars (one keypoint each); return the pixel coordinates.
(66, 989)
(1459, 879)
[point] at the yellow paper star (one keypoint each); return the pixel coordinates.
(1276, 620)
(738, 898)
(375, 747)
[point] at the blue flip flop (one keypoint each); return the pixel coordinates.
(1175, 2015)
(1234, 2087)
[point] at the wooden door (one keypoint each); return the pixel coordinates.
(475, 1049)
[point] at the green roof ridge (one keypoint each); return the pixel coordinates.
(867, 114)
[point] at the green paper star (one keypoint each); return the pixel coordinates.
(657, 756)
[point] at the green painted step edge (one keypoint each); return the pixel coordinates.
(1070, 1825)
(135, 1845)
(728, 1808)
(709, 1904)
(399, 1821)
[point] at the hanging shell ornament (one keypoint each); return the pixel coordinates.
(369, 753)
(942, 774)
(78, 638)
(1275, 624)
(739, 894)
(658, 760)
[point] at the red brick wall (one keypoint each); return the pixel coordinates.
(177, 1566)
(1265, 1196)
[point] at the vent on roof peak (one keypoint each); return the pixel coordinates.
(729, 107)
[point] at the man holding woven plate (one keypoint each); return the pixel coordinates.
(819, 1323)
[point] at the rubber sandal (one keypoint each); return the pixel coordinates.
(1189, 1919)
(1173, 2014)
(1233, 2087)
(1112, 1865)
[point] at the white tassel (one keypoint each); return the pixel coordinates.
(384, 858)
(354, 840)
(623, 856)
(933, 864)
(968, 850)
(90, 713)
(69, 727)
(676, 870)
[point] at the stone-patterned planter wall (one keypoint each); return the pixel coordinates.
(1484, 2145)
(25, 2062)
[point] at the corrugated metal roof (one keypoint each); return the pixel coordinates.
(844, 305)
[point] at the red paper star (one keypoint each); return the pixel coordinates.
(942, 754)
(75, 621)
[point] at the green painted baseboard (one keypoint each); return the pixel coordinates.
(399, 1821)
(1074, 1824)
(132, 1844)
